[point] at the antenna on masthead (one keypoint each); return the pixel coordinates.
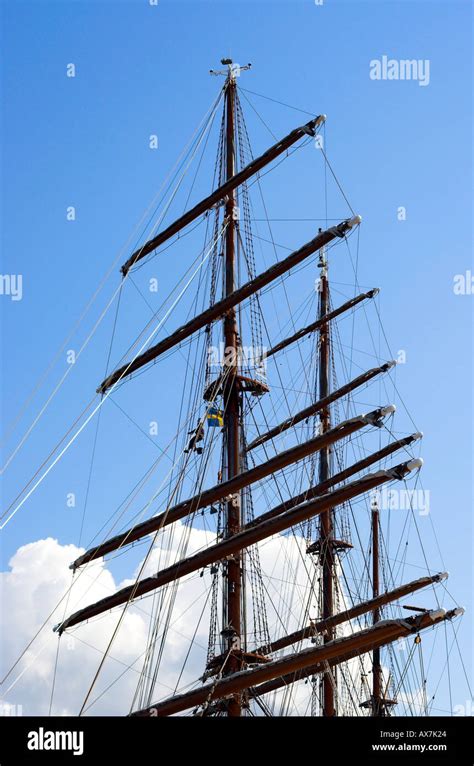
(233, 69)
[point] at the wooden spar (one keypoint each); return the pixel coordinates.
(320, 405)
(221, 307)
(249, 535)
(232, 413)
(321, 667)
(293, 666)
(230, 487)
(320, 626)
(320, 322)
(224, 190)
(336, 478)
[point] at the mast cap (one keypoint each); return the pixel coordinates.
(413, 464)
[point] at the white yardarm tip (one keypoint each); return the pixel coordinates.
(418, 435)
(354, 221)
(416, 463)
(388, 410)
(392, 363)
(442, 576)
(458, 611)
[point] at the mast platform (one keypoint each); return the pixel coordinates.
(246, 384)
(337, 545)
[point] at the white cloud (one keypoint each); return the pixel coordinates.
(39, 577)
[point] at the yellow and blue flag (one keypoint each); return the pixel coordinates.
(214, 418)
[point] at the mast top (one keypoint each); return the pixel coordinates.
(233, 69)
(322, 262)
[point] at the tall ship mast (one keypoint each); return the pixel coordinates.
(275, 502)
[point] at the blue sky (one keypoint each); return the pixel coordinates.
(84, 141)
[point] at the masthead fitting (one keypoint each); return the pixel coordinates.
(355, 221)
(413, 464)
(372, 293)
(233, 69)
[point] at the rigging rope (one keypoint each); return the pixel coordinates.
(207, 123)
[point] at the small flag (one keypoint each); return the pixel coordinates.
(214, 418)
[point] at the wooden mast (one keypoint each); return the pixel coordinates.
(232, 410)
(326, 520)
(379, 704)
(377, 668)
